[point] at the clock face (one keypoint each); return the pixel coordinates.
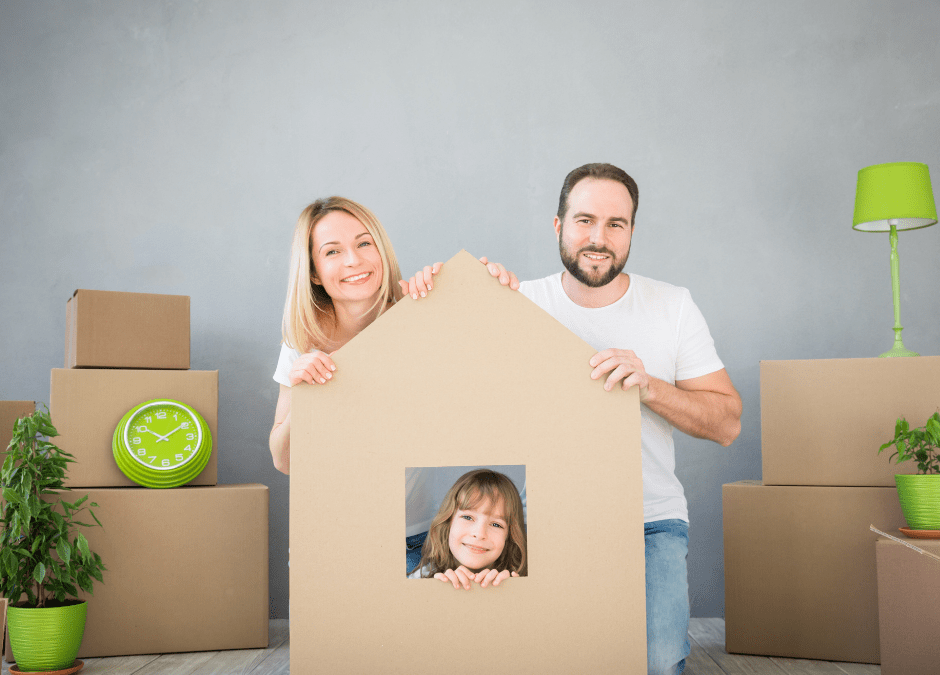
(162, 444)
(162, 435)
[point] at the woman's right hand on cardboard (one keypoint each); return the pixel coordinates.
(314, 368)
(422, 282)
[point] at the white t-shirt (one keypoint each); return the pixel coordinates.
(661, 324)
(425, 487)
(284, 363)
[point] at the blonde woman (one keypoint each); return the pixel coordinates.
(343, 275)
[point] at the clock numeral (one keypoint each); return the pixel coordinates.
(136, 440)
(176, 417)
(152, 459)
(185, 425)
(149, 419)
(166, 462)
(190, 437)
(188, 448)
(142, 452)
(161, 415)
(179, 458)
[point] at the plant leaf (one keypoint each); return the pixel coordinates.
(83, 581)
(64, 550)
(82, 544)
(39, 573)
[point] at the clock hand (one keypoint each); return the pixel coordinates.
(167, 437)
(141, 429)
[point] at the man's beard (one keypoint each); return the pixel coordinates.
(595, 279)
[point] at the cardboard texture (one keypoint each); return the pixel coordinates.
(86, 406)
(110, 329)
(800, 569)
(187, 570)
(822, 421)
(10, 411)
(908, 610)
(474, 374)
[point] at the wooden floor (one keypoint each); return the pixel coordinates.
(708, 657)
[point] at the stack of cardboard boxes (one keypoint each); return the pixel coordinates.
(187, 568)
(800, 575)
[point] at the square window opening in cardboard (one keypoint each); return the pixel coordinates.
(474, 374)
(426, 488)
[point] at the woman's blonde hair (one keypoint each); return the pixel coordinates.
(302, 327)
(471, 489)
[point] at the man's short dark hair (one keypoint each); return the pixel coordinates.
(601, 172)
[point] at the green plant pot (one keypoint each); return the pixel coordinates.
(46, 638)
(920, 500)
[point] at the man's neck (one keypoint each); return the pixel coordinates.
(587, 296)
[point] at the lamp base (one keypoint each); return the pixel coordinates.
(898, 349)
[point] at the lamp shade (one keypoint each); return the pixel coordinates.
(894, 194)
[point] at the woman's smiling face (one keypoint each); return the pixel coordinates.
(345, 258)
(478, 534)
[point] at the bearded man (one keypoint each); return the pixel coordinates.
(649, 334)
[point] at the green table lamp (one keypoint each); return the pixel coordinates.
(892, 197)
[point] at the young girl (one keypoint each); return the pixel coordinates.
(478, 533)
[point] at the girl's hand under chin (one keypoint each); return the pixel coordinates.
(486, 577)
(458, 577)
(461, 577)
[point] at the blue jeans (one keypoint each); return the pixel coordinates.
(413, 546)
(667, 596)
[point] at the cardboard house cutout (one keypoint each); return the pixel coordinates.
(474, 374)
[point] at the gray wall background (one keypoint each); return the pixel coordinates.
(169, 146)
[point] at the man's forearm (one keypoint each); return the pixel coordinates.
(714, 416)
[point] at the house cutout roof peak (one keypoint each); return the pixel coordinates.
(465, 301)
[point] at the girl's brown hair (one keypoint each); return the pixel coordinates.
(470, 489)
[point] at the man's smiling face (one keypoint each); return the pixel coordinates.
(594, 240)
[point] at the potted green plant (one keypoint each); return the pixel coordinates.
(919, 493)
(44, 561)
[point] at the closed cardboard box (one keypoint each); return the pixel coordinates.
(800, 575)
(822, 421)
(10, 411)
(111, 329)
(909, 607)
(187, 570)
(86, 406)
(449, 381)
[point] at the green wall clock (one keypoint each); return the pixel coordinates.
(162, 444)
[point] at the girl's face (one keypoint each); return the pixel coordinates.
(478, 534)
(345, 258)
